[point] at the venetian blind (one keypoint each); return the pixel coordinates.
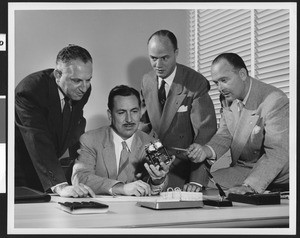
(272, 47)
(222, 31)
(230, 30)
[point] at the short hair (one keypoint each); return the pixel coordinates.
(165, 33)
(73, 52)
(234, 59)
(122, 90)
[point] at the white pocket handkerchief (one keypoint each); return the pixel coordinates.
(256, 129)
(182, 108)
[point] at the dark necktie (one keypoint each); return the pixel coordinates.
(66, 116)
(162, 94)
(124, 160)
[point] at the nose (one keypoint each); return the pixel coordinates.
(159, 63)
(84, 86)
(128, 117)
(220, 86)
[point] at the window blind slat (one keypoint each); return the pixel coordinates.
(272, 47)
(229, 30)
(222, 31)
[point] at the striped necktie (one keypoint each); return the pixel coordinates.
(124, 160)
(240, 107)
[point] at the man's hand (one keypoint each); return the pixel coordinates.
(159, 172)
(240, 190)
(137, 188)
(80, 190)
(198, 153)
(192, 187)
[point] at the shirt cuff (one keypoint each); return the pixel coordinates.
(198, 184)
(110, 190)
(55, 186)
(214, 156)
(156, 189)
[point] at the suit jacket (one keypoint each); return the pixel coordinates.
(259, 137)
(38, 131)
(188, 117)
(96, 164)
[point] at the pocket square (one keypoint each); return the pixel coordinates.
(182, 108)
(256, 129)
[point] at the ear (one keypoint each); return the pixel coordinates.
(243, 74)
(176, 52)
(109, 115)
(57, 75)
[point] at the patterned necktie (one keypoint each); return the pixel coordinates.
(66, 116)
(124, 160)
(162, 94)
(240, 106)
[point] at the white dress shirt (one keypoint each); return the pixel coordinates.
(168, 80)
(118, 145)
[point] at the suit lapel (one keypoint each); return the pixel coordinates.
(246, 123)
(109, 155)
(134, 151)
(55, 113)
(243, 130)
(152, 102)
(173, 102)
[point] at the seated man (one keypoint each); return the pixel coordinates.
(255, 128)
(112, 158)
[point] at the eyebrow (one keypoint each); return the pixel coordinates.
(164, 56)
(135, 108)
(81, 79)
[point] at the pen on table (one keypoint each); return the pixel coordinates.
(184, 150)
(221, 192)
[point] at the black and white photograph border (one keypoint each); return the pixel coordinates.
(191, 45)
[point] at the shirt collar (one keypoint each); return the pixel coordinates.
(61, 95)
(170, 78)
(118, 139)
(247, 95)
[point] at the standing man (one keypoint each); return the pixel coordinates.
(49, 121)
(179, 110)
(255, 128)
(111, 158)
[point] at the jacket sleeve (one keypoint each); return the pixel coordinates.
(203, 115)
(275, 158)
(221, 141)
(32, 122)
(84, 170)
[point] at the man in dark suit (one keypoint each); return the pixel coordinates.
(179, 110)
(49, 121)
(112, 158)
(255, 128)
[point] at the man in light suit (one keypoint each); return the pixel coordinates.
(100, 165)
(255, 128)
(49, 121)
(186, 113)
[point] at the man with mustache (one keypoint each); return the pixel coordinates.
(112, 158)
(179, 110)
(49, 121)
(255, 128)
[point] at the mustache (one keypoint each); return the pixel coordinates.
(129, 124)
